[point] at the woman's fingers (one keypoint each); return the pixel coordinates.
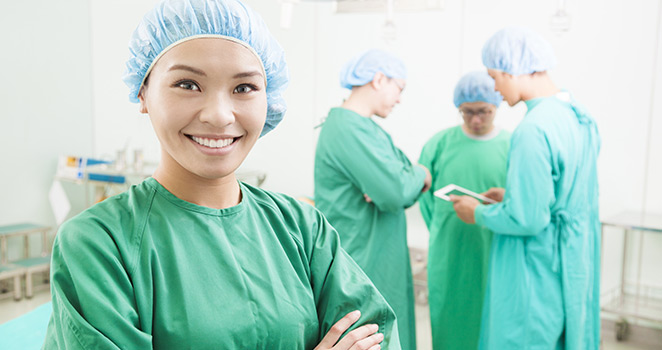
(369, 343)
(332, 336)
(361, 336)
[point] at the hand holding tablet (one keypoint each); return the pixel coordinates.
(453, 189)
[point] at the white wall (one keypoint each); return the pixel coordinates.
(652, 244)
(45, 100)
(118, 124)
(653, 184)
(61, 72)
(287, 154)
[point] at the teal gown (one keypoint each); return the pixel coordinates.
(147, 270)
(354, 157)
(459, 253)
(543, 290)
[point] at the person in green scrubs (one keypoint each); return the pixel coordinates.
(471, 155)
(363, 183)
(191, 258)
(544, 282)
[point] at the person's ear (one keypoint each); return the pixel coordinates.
(379, 80)
(143, 104)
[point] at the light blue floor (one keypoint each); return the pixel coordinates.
(26, 331)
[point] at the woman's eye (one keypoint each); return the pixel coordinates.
(244, 88)
(188, 85)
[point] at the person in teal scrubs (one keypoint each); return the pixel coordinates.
(543, 289)
(472, 155)
(191, 258)
(363, 183)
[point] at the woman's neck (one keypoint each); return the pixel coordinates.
(219, 193)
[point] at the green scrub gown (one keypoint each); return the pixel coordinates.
(354, 157)
(459, 253)
(543, 290)
(145, 270)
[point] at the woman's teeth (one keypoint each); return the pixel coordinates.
(213, 143)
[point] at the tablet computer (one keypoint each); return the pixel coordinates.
(453, 189)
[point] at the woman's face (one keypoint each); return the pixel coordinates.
(505, 84)
(207, 102)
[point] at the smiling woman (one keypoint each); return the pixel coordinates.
(207, 102)
(192, 258)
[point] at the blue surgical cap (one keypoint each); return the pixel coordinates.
(361, 69)
(517, 51)
(476, 87)
(172, 22)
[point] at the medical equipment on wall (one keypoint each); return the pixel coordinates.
(389, 30)
(388, 7)
(93, 180)
(252, 177)
(561, 20)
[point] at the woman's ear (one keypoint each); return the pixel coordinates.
(143, 104)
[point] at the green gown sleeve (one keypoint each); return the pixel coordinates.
(340, 286)
(426, 200)
(88, 314)
(525, 209)
(378, 168)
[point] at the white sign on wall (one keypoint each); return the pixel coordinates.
(350, 6)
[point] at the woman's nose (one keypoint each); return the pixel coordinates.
(218, 110)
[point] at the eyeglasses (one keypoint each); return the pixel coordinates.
(401, 87)
(481, 113)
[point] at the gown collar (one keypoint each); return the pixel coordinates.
(492, 134)
(563, 96)
(188, 206)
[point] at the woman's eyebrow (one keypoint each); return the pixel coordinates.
(247, 74)
(187, 68)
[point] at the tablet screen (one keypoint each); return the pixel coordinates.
(453, 189)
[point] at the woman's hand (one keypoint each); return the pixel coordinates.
(464, 207)
(362, 338)
(495, 193)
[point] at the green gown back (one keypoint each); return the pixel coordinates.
(145, 270)
(354, 157)
(459, 253)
